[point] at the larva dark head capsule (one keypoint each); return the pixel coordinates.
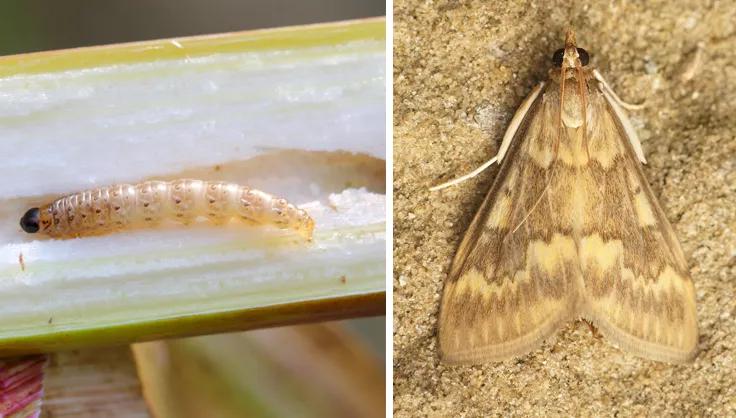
(30, 221)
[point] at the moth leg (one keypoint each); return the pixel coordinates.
(505, 143)
(604, 85)
(466, 176)
(593, 329)
(629, 131)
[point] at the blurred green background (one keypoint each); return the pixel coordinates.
(38, 25)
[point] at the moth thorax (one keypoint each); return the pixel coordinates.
(572, 106)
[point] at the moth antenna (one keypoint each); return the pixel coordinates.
(581, 90)
(559, 118)
(628, 106)
(466, 176)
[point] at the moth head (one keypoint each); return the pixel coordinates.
(570, 56)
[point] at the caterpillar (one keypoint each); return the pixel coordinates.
(127, 206)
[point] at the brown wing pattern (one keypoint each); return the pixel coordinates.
(512, 282)
(637, 287)
(596, 244)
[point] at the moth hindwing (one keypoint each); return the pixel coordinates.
(569, 229)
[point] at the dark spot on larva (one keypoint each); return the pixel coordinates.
(119, 222)
(84, 215)
(218, 168)
(98, 210)
(343, 279)
(179, 215)
(211, 200)
(51, 319)
(211, 215)
(148, 218)
(117, 208)
(177, 200)
(145, 204)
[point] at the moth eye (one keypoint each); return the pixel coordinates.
(557, 57)
(584, 58)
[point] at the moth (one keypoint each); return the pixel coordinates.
(570, 229)
(128, 206)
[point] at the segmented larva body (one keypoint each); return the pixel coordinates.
(147, 204)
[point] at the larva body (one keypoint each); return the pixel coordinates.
(147, 204)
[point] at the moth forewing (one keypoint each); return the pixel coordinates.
(569, 229)
(516, 121)
(651, 310)
(625, 125)
(485, 316)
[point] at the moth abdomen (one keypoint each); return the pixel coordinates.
(118, 207)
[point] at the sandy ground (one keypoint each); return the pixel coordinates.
(461, 70)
